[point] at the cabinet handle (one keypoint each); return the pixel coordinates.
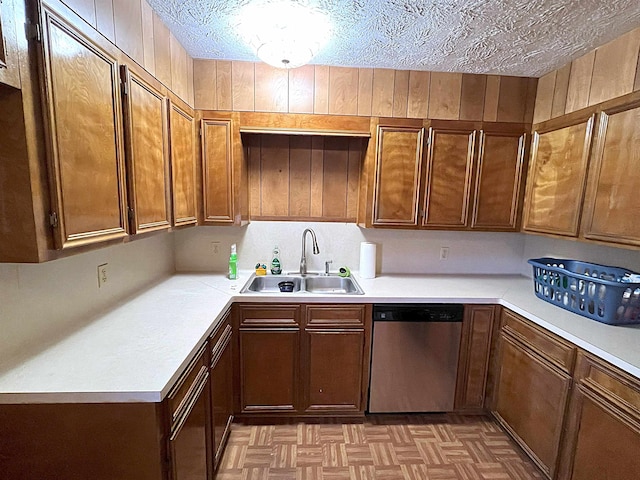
(192, 397)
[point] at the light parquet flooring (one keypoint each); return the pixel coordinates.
(384, 447)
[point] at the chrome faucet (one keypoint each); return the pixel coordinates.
(316, 250)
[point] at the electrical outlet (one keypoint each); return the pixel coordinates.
(103, 274)
(444, 253)
(215, 248)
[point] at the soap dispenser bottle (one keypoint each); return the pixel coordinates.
(233, 263)
(276, 267)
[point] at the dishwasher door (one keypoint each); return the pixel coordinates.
(414, 365)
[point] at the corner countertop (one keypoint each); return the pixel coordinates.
(136, 351)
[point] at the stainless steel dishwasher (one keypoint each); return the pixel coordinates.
(414, 357)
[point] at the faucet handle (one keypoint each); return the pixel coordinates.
(326, 266)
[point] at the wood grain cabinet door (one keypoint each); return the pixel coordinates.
(614, 202)
(530, 401)
(86, 155)
(448, 178)
(498, 180)
(398, 176)
(147, 148)
(556, 180)
(9, 72)
(183, 165)
(217, 168)
(222, 390)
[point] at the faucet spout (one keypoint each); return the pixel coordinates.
(316, 250)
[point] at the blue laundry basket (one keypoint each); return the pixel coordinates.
(601, 293)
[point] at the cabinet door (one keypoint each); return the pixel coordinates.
(556, 181)
(475, 349)
(498, 180)
(531, 398)
(335, 369)
(217, 167)
(398, 173)
(147, 150)
(614, 200)
(188, 442)
(82, 105)
(9, 71)
(269, 370)
(183, 165)
(222, 390)
(449, 171)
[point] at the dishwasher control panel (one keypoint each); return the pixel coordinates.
(412, 312)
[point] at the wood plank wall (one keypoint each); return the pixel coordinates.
(303, 177)
(137, 30)
(256, 87)
(607, 72)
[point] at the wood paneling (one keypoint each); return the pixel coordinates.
(614, 179)
(217, 171)
(343, 91)
(365, 91)
(560, 91)
(272, 89)
(498, 180)
(301, 88)
(183, 165)
(544, 97)
(243, 85)
(162, 50)
(127, 15)
(556, 182)
(418, 102)
(580, 82)
(473, 93)
(295, 177)
(398, 175)
(513, 99)
(9, 50)
(445, 95)
(84, 8)
(224, 95)
(147, 155)
(179, 77)
(82, 100)
(400, 93)
(204, 83)
(190, 94)
(614, 68)
(105, 21)
(321, 90)
(148, 47)
(449, 169)
(382, 93)
(491, 97)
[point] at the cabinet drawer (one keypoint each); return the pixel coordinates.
(185, 388)
(558, 351)
(614, 385)
(336, 316)
(265, 315)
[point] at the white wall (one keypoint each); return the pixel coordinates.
(41, 303)
(399, 251)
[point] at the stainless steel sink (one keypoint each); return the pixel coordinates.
(332, 284)
(318, 284)
(269, 284)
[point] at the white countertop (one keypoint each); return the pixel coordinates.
(135, 352)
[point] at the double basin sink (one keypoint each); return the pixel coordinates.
(319, 284)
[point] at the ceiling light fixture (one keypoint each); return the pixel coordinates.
(284, 34)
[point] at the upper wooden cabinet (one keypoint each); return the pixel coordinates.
(469, 178)
(614, 182)
(81, 81)
(398, 171)
(147, 148)
(9, 72)
(183, 163)
(557, 176)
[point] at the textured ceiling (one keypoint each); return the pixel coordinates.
(508, 37)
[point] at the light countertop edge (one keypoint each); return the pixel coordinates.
(170, 322)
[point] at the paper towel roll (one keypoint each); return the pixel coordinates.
(367, 260)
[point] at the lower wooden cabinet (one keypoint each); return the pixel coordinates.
(303, 359)
(532, 389)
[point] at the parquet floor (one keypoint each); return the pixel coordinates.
(384, 447)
